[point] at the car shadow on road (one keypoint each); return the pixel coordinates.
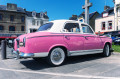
(42, 64)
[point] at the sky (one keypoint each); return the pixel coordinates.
(59, 9)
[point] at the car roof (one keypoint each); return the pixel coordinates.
(60, 23)
(63, 21)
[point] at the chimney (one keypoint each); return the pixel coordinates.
(46, 13)
(11, 7)
(83, 12)
(106, 7)
(25, 10)
(114, 1)
(75, 16)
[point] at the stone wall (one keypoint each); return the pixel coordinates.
(17, 20)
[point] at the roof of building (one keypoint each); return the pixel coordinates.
(19, 9)
(110, 11)
(83, 15)
(29, 14)
(73, 18)
(90, 15)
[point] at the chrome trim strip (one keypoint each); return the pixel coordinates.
(31, 55)
(28, 55)
(43, 54)
(84, 52)
(44, 36)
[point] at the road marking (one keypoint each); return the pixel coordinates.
(60, 74)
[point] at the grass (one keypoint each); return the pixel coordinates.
(116, 48)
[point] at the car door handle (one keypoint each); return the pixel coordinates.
(68, 38)
(65, 36)
(85, 37)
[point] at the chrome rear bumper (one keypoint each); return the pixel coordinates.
(20, 55)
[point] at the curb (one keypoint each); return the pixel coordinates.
(116, 53)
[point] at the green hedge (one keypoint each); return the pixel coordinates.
(116, 48)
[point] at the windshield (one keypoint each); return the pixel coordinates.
(45, 27)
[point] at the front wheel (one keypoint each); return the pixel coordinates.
(106, 51)
(56, 57)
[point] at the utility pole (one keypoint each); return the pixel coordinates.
(86, 7)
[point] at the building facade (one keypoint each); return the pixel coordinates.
(12, 19)
(117, 14)
(105, 21)
(34, 20)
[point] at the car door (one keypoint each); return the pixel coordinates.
(91, 41)
(73, 37)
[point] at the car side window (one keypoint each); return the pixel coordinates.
(72, 27)
(86, 29)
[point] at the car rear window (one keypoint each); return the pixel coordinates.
(45, 27)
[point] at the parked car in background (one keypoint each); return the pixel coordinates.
(113, 34)
(116, 41)
(59, 39)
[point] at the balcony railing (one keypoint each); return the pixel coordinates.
(9, 34)
(12, 32)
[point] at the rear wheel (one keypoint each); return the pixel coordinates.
(56, 57)
(106, 51)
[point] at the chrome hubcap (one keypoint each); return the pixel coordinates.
(57, 56)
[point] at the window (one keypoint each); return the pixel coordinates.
(1, 28)
(81, 20)
(103, 25)
(72, 27)
(119, 12)
(1, 17)
(22, 19)
(45, 27)
(11, 17)
(41, 22)
(33, 22)
(33, 30)
(12, 28)
(37, 23)
(86, 29)
(109, 24)
(22, 28)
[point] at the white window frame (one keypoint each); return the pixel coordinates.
(72, 32)
(33, 20)
(102, 25)
(108, 24)
(89, 27)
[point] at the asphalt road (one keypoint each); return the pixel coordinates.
(80, 67)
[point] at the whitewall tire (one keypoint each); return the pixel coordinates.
(106, 51)
(56, 57)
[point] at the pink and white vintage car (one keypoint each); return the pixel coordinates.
(61, 38)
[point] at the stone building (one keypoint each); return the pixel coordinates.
(34, 20)
(92, 17)
(12, 19)
(81, 18)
